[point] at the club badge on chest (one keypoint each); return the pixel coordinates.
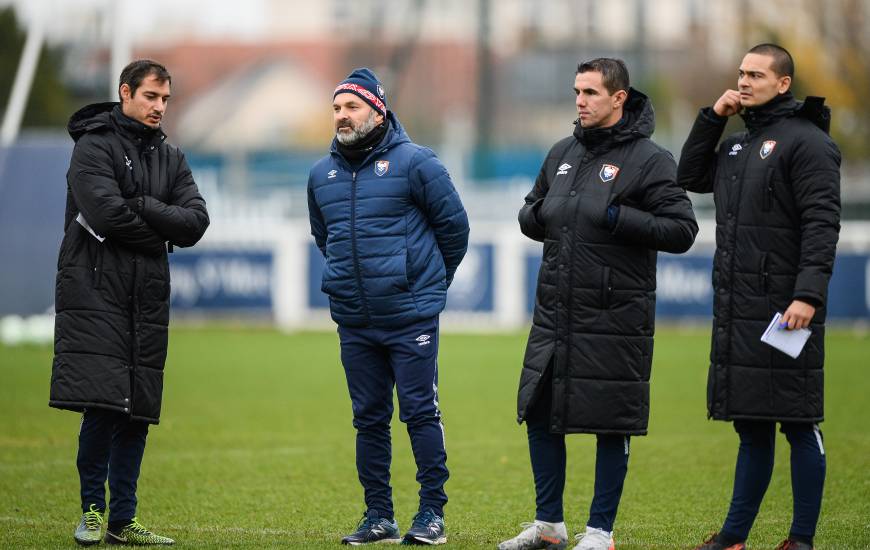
(608, 172)
(767, 148)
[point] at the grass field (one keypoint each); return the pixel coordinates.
(256, 448)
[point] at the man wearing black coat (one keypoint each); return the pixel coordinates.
(604, 203)
(130, 196)
(777, 192)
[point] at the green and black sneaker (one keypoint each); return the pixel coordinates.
(88, 531)
(135, 534)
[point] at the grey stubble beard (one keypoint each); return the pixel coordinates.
(358, 133)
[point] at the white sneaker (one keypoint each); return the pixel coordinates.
(536, 535)
(594, 539)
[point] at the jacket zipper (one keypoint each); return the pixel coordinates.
(356, 266)
(725, 404)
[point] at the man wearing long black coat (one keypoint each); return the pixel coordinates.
(777, 192)
(130, 195)
(604, 203)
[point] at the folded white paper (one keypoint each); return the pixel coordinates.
(84, 223)
(790, 342)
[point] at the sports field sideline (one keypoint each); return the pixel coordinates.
(256, 449)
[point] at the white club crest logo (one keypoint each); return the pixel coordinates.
(563, 169)
(331, 174)
(381, 91)
(381, 167)
(767, 148)
(608, 172)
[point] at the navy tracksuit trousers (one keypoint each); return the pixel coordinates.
(754, 470)
(110, 447)
(374, 361)
(547, 451)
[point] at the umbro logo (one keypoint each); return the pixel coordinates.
(423, 340)
(736, 149)
(563, 169)
(331, 174)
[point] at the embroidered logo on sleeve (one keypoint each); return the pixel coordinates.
(563, 169)
(735, 149)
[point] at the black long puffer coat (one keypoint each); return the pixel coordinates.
(777, 192)
(112, 297)
(594, 316)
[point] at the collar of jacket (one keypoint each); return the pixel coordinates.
(638, 120)
(395, 135)
(135, 130)
(358, 151)
(781, 106)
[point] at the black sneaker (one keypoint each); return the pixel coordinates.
(426, 528)
(789, 544)
(712, 543)
(374, 529)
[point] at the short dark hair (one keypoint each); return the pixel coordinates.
(783, 64)
(134, 73)
(614, 73)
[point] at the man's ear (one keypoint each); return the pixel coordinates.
(619, 98)
(124, 92)
(784, 84)
(379, 118)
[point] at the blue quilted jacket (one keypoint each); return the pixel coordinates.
(393, 232)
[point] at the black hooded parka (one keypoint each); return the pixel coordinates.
(112, 297)
(776, 187)
(594, 315)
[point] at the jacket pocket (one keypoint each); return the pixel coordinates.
(551, 253)
(606, 287)
(768, 190)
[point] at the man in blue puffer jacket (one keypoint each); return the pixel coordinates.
(390, 224)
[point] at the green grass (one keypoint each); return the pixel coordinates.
(256, 448)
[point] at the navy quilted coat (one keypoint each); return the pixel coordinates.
(393, 232)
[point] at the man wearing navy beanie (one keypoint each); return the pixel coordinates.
(393, 230)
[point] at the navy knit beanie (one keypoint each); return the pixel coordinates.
(364, 84)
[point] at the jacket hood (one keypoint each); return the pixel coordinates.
(395, 136)
(638, 121)
(109, 115)
(89, 118)
(785, 105)
(813, 108)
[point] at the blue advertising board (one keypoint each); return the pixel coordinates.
(472, 289)
(222, 280)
